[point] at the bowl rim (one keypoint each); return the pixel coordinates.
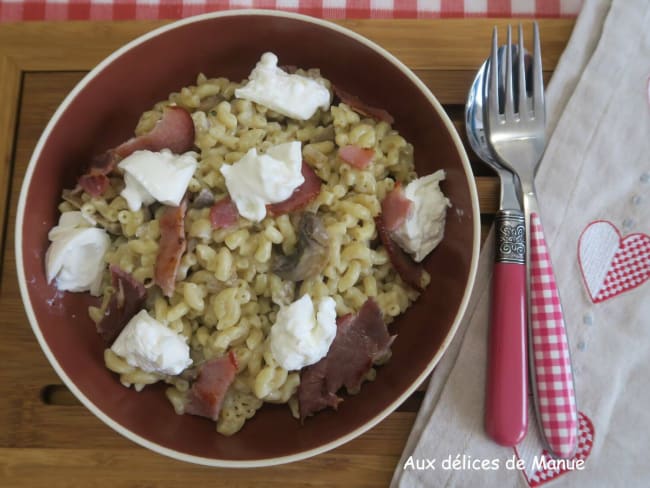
(271, 461)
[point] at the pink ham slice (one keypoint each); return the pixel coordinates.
(174, 131)
(171, 247)
(395, 208)
(208, 391)
(356, 156)
(410, 272)
(128, 299)
(223, 213)
(95, 182)
(360, 340)
(301, 196)
(358, 106)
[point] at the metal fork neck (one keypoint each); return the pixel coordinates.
(510, 191)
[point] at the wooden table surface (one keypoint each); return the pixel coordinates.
(46, 437)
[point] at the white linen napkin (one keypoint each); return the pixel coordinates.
(594, 191)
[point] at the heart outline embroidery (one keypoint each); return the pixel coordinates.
(586, 436)
(611, 263)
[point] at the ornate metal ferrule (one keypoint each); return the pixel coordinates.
(511, 237)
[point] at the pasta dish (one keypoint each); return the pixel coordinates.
(245, 251)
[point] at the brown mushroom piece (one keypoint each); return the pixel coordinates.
(203, 199)
(311, 251)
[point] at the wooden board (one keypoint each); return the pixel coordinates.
(46, 437)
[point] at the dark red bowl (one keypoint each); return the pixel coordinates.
(102, 111)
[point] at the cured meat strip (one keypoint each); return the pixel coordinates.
(95, 182)
(174, 131)
(411, 272)
(127, 300)
(395, 208)
(208, 391)
(171, 247)
(301, 196)
(356, 156)
(360, 340)
(358, 106)
(223, 213)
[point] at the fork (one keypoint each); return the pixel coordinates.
(517, 139)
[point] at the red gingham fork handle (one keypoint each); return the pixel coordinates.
(551, 360)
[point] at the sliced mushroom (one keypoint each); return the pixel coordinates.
(205, 198)
(209, 102)
(311, 251)
(323, 134)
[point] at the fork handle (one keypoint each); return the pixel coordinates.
(506, 413)
(552, 374)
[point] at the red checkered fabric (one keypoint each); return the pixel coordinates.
(552, 362)
(21, 10)
(585, 443)
(630, 267)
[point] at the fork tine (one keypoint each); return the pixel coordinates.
(493, 86)
(509, 109)
(523, 109)
(538, 79)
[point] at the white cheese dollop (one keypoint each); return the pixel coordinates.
(76, 256)
(423, 230)
(295, 96)
(147, 344)
(259, 179)
(156, 176)
(299, 337)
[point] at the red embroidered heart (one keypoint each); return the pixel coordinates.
(542, 459)
(612, 264)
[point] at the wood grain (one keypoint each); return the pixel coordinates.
(9, 91)
(46, 437)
